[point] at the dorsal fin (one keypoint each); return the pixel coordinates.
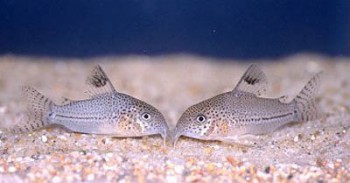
(253, 81)
(98, 82)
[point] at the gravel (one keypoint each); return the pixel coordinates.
(304, 152)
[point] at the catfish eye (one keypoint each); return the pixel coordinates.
(146, 116)
(201, 118)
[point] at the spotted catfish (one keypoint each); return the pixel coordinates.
(240, 112)
(107, 112)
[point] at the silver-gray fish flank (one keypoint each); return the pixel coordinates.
(107, 112)
(241, 111)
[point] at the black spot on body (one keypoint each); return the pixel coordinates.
(251, 80)
(99, 81)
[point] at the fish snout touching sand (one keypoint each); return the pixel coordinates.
(242, 111)
(106, 112)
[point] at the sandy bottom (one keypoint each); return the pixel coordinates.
(312, 151)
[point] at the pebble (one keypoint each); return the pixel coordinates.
(90, 177)
(296, 138)
(313, 137)
(3, 109)
(172, 179)
(109, 156)
(178, 169)
(12, 169)
(44, 138)
(56, 179)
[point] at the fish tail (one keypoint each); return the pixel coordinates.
(305, 101)
(37, 113)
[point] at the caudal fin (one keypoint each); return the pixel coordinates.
(38, 107)
(305, 100)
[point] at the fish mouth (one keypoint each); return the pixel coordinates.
(162, 132)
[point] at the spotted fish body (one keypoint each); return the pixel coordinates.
(107, 112)
(241, 111)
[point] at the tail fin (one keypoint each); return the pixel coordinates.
(305, 100)
(38, 107)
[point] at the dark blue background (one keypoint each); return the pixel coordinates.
(220, 28)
